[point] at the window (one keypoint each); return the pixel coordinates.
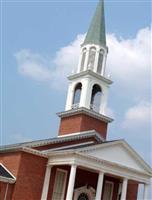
(92, 54)
(59, 185)
(108, 190)
(77, 95)
(96, 98)
(83, 196)
(83, 59)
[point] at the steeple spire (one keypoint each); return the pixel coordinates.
(88, 88)
(96, 33)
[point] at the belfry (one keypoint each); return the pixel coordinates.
(88, 87)
(80, 163)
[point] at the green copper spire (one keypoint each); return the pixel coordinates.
(96, 33)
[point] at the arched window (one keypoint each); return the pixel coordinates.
(83, 59)
(100, 62)
(77, 95)
(91, 60)
(96, 98)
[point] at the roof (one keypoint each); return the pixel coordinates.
(78, 147)
(61, 139)
(96, 33)
(6, 175)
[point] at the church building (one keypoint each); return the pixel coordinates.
(80, 163)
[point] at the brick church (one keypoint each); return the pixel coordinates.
(80, 163)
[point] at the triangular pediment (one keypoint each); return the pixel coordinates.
(120, 153)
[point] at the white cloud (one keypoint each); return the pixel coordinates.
(54, 71)
(138, 116)
(128, 62)
(129, 59)
(33, 65)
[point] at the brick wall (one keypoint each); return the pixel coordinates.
(29, 171)
(11, 161)
(82, 122)
(3, 190)
(30, 177)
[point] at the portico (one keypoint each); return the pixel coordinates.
(76, 160)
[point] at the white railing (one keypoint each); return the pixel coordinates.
(94, 107)
(75, 106)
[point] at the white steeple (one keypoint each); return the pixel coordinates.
(88, 87)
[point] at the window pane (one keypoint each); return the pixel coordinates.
(96, 98)
(77, 94)
(58, 192)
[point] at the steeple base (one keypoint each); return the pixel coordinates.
(82, 119)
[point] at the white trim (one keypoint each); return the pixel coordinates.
(135, 155)
(65, 180)
(86, 111)
(77, 133)
(8, 172)
(34, 152)
(39, 143)
(90, 72)
(7, 180)
(74, 157)
(112, 183)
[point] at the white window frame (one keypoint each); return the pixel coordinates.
(112, 183)
(65, 180)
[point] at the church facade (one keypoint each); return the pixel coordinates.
(79, 164)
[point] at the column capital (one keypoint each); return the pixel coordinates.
(48, 165)
(101, 172)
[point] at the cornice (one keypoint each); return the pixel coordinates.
(93, 163)
(91, 73)
(85, 111)
(78, 136)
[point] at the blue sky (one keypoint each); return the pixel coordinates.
(41, 35)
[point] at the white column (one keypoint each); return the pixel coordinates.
(99, 186)
(80, 60)
(124, 189)
(86, 59)
(85, 94)
(146, 192)
(46, 183)
(71, 182)
(70, 94)
(104, 64)
(95, 69)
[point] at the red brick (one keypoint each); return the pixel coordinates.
(80, 123)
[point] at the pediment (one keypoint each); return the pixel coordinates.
(119, 153)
